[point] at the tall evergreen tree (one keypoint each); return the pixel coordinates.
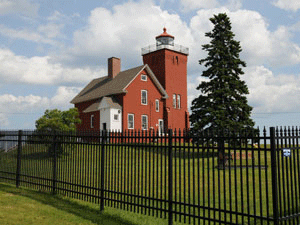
(222, 103)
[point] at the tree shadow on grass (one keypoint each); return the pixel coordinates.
(70, 206)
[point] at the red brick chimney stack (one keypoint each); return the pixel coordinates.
(114, 67)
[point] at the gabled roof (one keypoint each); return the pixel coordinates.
(105, 86)
(111, 102)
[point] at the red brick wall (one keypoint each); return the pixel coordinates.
(86, 117)
(171, 70)
(132, 103)
(114, 67)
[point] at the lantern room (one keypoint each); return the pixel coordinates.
(165, 39)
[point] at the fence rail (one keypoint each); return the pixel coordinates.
(214, 178)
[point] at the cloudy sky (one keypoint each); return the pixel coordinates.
(49, 50)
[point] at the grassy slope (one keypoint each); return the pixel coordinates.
(78, 165)
(23, 206)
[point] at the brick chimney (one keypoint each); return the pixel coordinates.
(114, 67)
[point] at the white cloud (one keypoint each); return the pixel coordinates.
(234, 5)
(57, 16)
(22, 104)
(124, 30)
(290, 5)
(112, 33)
(26, 34)
(189, 5)
(270, 93)
(64, 95)
(31, 106)
(259, 44)
(23, 7)
(51, 30)
(40, 70)
(4, 122)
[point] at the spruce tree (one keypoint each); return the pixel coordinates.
(222, 103)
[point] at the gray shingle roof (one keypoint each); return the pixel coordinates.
(105, 86)
(111, 101)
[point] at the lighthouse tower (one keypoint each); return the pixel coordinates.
(168, 61)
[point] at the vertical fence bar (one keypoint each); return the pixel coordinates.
(103, 135)
(19, 158)
(274, 176)
(170, 177)
(54, 151)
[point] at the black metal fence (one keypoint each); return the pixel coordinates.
(214, 178)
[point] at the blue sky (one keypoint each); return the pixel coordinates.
(49, 50)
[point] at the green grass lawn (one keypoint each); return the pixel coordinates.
(21, 206)
(143, 170)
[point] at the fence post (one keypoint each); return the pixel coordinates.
(54, 162)
(170, 140)
(274, 176)
(102, 161)
(19, 158)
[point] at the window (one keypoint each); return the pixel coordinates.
(144, 97)
(157, 105)
(144, 77)
(92, 121)
(144, 122)
(130, 121)
(174, 101)
(178, 101)
(116, 117)
(160, 126)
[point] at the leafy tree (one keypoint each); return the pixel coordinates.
(52, 123)
(222, 104)
(56, 120)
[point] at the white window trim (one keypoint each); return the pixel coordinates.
(174, 101)
(178, 101)
(144, 76)
(130, 114)
(146, 122)
(156, 105)
(146, 97)
(92, 121)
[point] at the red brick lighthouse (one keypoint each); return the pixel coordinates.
(168, 62)
(152, 96)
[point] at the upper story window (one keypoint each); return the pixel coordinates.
(144, 122)
(144, 77)
(157, 105)
(130, 121)
(174, 101)
(144, 97)
(92, 121)
(178, 101)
